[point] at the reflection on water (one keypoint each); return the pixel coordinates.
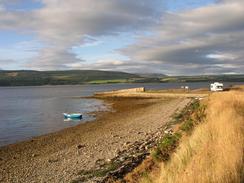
(69, 120)
(31, 111)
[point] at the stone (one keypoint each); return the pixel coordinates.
(121, 159)
(80, 146)
(52, 160)
(117, 151)
(126, 143)
(34, 155)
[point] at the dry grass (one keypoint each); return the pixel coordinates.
(214, 151)
(144, 173)
(237, 88)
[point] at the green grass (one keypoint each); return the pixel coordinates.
(187, 126)
(108, 81)
(165, 147)
(203, 78)
(103, 171)
(192, 116)
(188, 118)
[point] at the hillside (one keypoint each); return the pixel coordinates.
(34, 78)
(72, 77)
(202, 78)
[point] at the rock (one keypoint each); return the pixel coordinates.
(116, 152)
(121, 159)
(136, 142)
(34, 155)
(100, 162)
(80, 146)
(168, 131)
(52, 160)
(126, 143)
(142, 147)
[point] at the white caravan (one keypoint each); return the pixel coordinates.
(216, 86)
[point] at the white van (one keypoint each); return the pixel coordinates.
(216, 86)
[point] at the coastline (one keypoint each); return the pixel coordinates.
(60, 156)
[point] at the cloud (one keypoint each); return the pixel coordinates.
(1, 7)
(61, 24)
(53, 59)
(118, 65)
(104, 64)
(7, 63)
(204, 40)
(14, 55)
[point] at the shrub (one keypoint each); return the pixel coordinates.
(187, 126)
(165, 147)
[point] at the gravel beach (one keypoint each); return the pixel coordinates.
(60, 156)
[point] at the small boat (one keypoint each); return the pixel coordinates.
(73, 116)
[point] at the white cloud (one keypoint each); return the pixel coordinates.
(221, 56)
(203, 40)
(1, 8)
(196, 41)
(62, 24)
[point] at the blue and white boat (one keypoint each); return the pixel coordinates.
(73, 116)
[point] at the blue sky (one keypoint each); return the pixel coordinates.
(50, 35)
(103, 47)
(180, 5)
(24, 5)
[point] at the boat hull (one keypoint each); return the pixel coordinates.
(73, 116)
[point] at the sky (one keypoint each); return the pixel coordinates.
(173, 37)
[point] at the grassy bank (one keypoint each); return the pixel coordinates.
(214, 152)
(209, 150)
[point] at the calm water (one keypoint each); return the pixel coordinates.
(31, 111)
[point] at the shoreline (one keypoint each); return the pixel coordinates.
(60, 156)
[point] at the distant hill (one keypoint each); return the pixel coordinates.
(203, 78)
(34, 78)
(151, 75)
(72, 77)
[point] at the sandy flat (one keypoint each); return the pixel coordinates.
(58, 157)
